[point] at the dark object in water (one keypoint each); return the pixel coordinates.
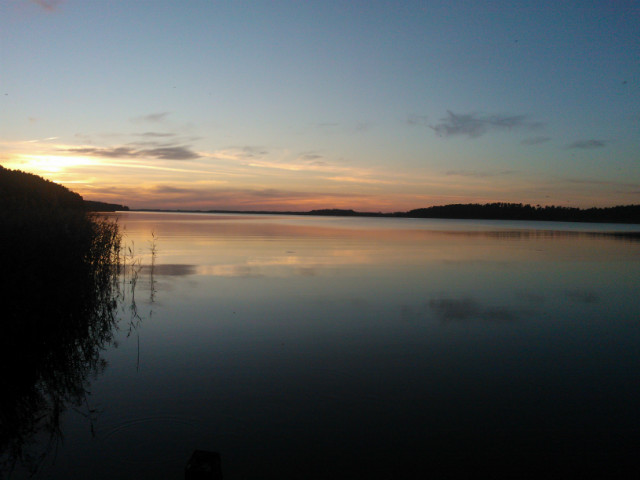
(203, 465)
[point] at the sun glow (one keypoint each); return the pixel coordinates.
(49, 164)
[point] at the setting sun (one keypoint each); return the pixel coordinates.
(46, 165)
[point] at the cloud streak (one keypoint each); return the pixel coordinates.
(588, 144)
(152, 117)
(478, 174)
(310, 156)
(473, 125)
(207, 196)
(593, 181)
(535, 141)
(48, 5)
(156, 134)
(414, 119)
(160, 153)
(362, 180)
(457, 309)
(240, 153)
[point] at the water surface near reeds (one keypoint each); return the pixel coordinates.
(312, 347)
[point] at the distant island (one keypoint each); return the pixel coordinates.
(518, 211)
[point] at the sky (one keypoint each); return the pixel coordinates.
(296, 105)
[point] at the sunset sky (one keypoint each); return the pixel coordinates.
(294, 105)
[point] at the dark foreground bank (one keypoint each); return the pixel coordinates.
(57, 291)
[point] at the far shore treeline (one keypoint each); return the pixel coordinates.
(18, 189)
(488, 211)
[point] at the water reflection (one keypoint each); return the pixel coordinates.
(330, 348)
(58, 316)
(456, 309)
(582, 296)
(280, 246)
(170, 270)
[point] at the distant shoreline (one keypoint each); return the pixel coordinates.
(18, 190)
(629, 214)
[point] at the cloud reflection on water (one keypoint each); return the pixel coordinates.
(582, 296)
(278, 246)
(171, 270)
(462, 309)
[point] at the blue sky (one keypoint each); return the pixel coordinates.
(378, 106)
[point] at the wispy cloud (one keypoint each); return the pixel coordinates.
(535, 140)
(363, 180)
(363, 127)
(588, 144)
(241, 152)
(156, 134)
(38, 140)
(177, 152)
(254, 156)
(310, 156)
(414, 119)
(593, 181)
(171, 153)
(170, 189)
(333, 128)
(48, 5)
(474, 125)
(479, 174)
(152, 117)
(208, 196)
(313, 160)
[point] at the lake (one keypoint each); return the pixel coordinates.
(332, 347)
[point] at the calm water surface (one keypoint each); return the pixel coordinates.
(310, 347)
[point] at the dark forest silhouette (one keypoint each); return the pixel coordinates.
(506, 211)
(58, 291)
(20, 190)
(518, 211)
